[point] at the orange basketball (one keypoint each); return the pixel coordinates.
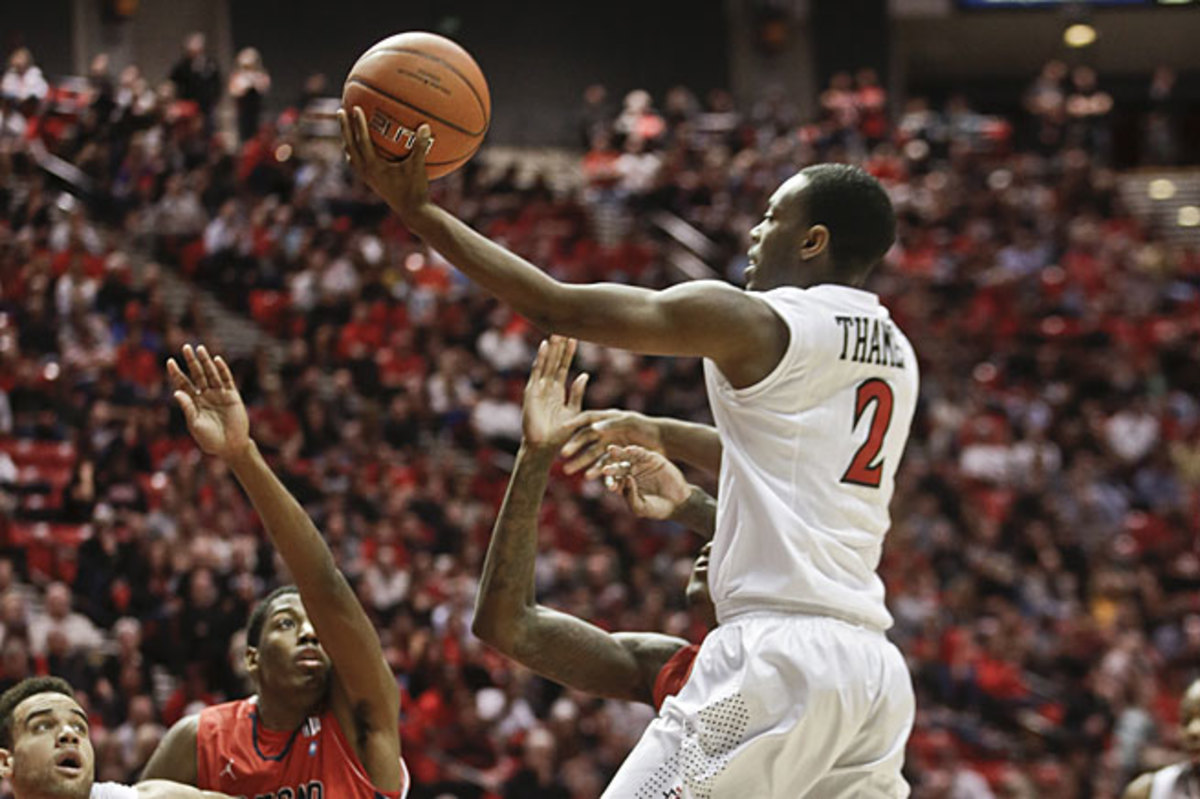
(414, 78)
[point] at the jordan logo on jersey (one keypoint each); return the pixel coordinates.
(228, 770)
(874, 341)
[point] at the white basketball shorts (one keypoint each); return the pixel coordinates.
(779, 706)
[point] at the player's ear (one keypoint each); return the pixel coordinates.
(815, 241)
(250, 659)
(6, 764)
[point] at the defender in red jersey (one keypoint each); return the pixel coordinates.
(643, 667)
(325, 721)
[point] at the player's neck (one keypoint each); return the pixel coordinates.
(281, 716)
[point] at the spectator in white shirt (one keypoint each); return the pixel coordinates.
(81, 633)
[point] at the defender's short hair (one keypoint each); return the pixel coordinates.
(858, 213)
(258, 616)
(30, 686)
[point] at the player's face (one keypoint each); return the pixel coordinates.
(698, 597)
(1189, 721)
(289, 658)
(51, 754)
(775, 242)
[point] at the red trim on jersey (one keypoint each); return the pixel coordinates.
(674, 674)
(226, 759)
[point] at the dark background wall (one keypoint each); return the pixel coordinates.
(538, 55)
(43, 26)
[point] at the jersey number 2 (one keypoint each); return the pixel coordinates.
(863, 469)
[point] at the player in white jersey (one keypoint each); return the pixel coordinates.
(813, 387)
(1179, 780)
(45, 749)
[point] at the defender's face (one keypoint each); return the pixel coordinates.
(289, 657)
(1189, 722)
(775, 242)
(51, 755)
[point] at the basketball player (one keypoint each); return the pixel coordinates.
(637, 667)
(1180, 780)
(798, 692)
(325, 721)
(45, 749)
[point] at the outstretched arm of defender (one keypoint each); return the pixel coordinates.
(711, 319)
(697, 445)
(216, 417)
(556, 645)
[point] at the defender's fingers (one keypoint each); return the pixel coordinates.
(195, 370)
(575, 396)
(178, 378)
(186, 405)
(210, 369)
(225, 374)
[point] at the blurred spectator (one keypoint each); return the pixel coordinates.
(1160, 135)
(248, 85)
(197, 77)
(1089, 110)
(23, 80)
(76, 630)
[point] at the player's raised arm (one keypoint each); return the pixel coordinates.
(711, 319)
(364, 695)
(556, 645)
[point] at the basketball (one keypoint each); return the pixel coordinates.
(414, 78)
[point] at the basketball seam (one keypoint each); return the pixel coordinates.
(407, 104)
(485, 108)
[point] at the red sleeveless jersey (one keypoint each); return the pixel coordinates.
(674, 673)
(237, 756)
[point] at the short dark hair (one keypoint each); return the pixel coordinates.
(258, 616)
(858, 213)
(30, 686)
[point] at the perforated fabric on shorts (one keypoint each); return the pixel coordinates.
(704, 753)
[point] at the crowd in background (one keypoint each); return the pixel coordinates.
(1042, 565)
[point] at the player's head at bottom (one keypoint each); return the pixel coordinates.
(828, 223)
(698, 597)
(45, 749)
(284, 658)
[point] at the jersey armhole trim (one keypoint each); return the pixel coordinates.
(785, 361)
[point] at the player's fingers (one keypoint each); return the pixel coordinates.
(422, 145)
(225, 374)
(210, 369)
(178, 378)
(539, 363)
(195, 371)
(362, 138)
(186, 405)
(575, 396)
(564, 350)
(584, 459)
(347, 135)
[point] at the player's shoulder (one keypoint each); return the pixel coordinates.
(1140, 787)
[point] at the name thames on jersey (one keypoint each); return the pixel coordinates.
(869, 340)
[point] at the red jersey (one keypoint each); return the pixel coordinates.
(236, 755)
(674, 673)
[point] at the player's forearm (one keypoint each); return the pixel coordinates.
(166, 789)
(697, 445)
(698, 513)
(291, 531)
(529, 290)
(506, 598)
(609, 314)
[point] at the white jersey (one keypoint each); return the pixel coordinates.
(112, 790)
(1169, 782)
(809, 461)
